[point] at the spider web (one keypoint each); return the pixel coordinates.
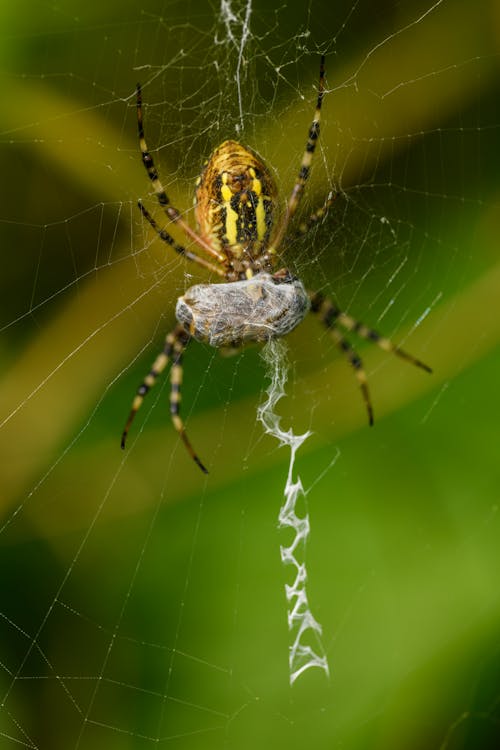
(144, 605)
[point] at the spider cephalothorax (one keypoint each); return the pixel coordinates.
(240, 232)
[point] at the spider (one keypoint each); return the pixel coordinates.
(242, 241)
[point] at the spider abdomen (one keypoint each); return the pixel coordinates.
(231, 314)
(235, 203)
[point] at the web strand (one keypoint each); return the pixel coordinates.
(301, 622)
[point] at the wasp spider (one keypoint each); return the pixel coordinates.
(241, 241)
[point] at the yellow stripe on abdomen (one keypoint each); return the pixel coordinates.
(231, 219)
(260, 211)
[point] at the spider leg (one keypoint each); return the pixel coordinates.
(313, 219)
(166, 237)
(159, 365)
(175, 344)
(350, 324)
(157, 368)
(175, 393)
(328, 314)
(163, 199)
(332, 317)
(305, 166)
(356, 362)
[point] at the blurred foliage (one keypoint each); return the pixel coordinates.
(141, 602)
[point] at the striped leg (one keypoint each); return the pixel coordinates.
(172, 213)
(305, 166)
(175, 394)
(333, 318)
(159, 365)
(175, 344)
(314, 218)
(166, 237)
(328, 314)
(350, 324)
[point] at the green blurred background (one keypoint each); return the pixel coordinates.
(141, 604)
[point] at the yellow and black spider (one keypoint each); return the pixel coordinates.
(235, 208)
